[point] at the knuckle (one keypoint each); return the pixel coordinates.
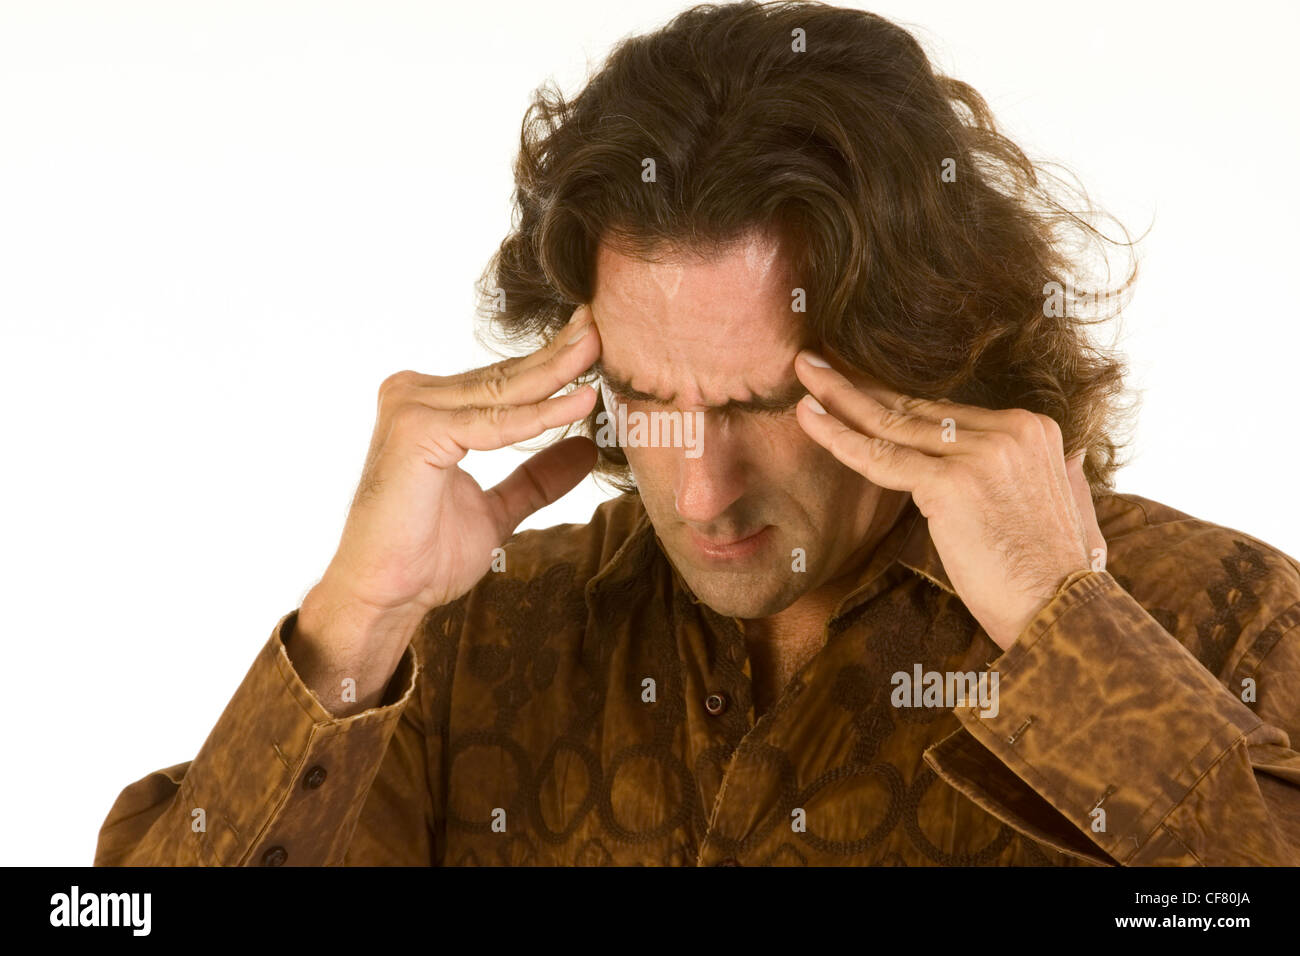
(495, 370)
(1024, 423)
(404, 377)
(494, 384)
(909, 404)
(392, 388)
(881, 450)
(409, 418)
(1003, 442)
(1051, 428)
(1002, 449)
(891, 419)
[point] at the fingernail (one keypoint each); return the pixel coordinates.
(812, 358)
(815, 405)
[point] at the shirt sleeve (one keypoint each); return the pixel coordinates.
(1105, 721)
(281, 781)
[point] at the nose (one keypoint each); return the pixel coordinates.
(712, 481)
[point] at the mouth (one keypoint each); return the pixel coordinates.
(729, 549)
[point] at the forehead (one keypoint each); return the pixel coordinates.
(701, 331)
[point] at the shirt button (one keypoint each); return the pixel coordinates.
(729, 861)
(315, 777)
(715, 704)
(274, 856)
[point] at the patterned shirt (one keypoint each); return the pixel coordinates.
(583, 707)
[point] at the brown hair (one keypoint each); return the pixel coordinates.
(927, 246)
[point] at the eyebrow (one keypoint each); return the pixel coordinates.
(772, 402)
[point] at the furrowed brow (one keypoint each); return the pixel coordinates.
(774, 402)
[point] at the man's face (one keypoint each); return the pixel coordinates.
(696, 335)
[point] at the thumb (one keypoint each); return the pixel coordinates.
(545, 477)
(1087, 513)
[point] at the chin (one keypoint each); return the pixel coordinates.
(742, 599)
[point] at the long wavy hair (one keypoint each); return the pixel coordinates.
(933, 253)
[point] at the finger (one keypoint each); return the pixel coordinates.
(973, 417)
(482, 384)
(1087, 511)
(544, 478)
(497, 426)
(882, 462)
(864, 412)
(578, 319)
(525, 379)
(446, 435)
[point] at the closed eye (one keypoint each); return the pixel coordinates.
(777, 412)
(730, 409)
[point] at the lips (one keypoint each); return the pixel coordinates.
(729, 549)
(721, 543)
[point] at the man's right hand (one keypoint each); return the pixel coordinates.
(421, 532)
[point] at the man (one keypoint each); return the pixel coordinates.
(871, 600)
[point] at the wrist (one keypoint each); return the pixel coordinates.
(338, 637)
(1008, 636)
(353, 621)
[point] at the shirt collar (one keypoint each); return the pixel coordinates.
(918, 554)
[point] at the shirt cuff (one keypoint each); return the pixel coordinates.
(280, 779)
(1105, 715)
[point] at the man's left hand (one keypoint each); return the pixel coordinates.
(1010, 517)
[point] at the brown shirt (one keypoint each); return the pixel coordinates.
(583, 707)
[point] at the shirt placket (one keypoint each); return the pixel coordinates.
(757, 780)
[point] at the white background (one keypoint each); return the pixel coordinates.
(223, 223)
